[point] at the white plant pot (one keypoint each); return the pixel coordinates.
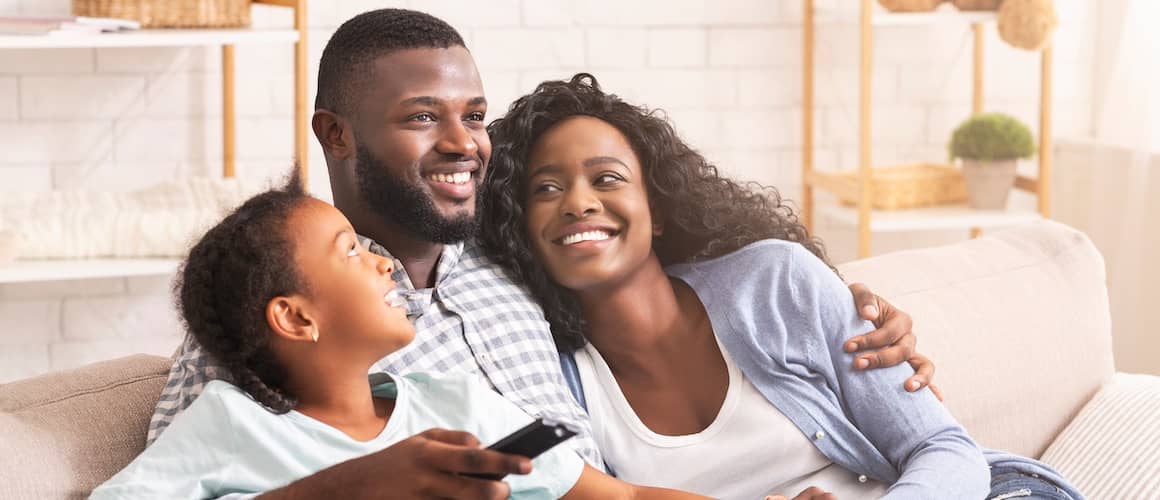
(988, 183)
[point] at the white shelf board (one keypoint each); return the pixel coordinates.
(150, 38)
(31, 271)
(922, 219)
(941, 16)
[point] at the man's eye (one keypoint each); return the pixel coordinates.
(475, 117)
(423, 117)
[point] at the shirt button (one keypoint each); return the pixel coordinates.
(819, 435)
(862, 479)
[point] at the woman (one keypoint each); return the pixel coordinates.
(707, 325)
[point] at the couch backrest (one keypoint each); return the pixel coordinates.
(1016, 322)
(67, 432)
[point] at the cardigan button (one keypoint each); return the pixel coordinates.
(819, 435)
(862, 478)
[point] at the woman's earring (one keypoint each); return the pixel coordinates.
(315, 337)
(658, 229)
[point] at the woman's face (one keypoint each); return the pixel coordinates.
(588, 212)
(350, 289)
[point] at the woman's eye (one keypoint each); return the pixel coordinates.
(546, 188)
(353, 252)
(606, 179)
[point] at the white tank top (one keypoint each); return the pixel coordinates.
(749, 451)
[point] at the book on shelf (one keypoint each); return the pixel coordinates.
(63, 26)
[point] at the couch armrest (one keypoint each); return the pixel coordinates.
(66, 432)
(1112, 447)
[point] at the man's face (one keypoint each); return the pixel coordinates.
(422, 142)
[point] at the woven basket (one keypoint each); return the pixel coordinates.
(908, 186)
(977, 4)
(170, 13)
(909, 5)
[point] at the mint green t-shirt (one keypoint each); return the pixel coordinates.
(226, 443)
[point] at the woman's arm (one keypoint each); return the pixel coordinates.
(595, 485)
(933, 453)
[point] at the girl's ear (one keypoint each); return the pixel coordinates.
(290, 319)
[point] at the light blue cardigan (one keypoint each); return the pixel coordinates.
(784, 316)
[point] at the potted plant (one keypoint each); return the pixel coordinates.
(989, 145)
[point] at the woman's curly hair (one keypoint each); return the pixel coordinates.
(227, 280)
(704, 215)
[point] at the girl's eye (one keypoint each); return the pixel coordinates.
(353, 252)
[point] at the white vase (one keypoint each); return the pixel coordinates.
(988, 182)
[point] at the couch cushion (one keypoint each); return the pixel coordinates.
(74, 429)
(1112, 448)
(1016, 322)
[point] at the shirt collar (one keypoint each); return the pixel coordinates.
(417, 299)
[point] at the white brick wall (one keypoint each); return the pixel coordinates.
(726, 71)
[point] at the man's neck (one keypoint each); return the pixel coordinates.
(417, 255)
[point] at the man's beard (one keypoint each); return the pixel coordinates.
(409, 205)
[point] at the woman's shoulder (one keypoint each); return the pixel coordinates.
(755, 259)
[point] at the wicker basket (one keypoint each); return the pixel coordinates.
(909, 186)
(170, 13)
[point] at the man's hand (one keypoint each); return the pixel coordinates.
(811, 493)
(424, 466)
(894, 340)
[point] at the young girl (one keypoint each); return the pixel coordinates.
(706, 324)
(284, 295)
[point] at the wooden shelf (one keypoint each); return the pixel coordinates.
(934, 218)
(29, 271)
(150, 38)
(945, 15)
(866, 220)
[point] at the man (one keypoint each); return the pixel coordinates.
(400, 116)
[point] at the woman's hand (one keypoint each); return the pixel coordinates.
(811, 493)
(894, 340)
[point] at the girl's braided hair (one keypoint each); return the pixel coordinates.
(230, 276)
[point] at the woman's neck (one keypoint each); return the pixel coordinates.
(638, 322)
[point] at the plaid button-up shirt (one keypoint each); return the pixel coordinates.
(475, 320)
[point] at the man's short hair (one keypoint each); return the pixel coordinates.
(346, 66)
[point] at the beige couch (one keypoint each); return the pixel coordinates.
(1017, 322)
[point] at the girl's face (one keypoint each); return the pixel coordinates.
(588, 212)
(349, 287)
